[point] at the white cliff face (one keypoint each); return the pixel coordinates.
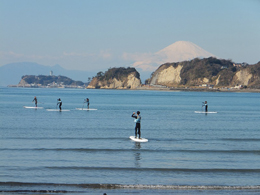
(243, 77)
(22, 82)
(168, 76)
(217, 80)
(133, 82)
(205, 80)
(115, 84)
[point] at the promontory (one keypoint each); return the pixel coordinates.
(207, 72)
(116, 78)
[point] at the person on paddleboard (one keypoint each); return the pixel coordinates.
(59, 103)
(35, 101)
(206, 106)
(137, 123)
(87, 101)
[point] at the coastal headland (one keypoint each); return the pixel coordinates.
(207, 74)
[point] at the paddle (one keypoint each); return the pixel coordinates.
(83, 105)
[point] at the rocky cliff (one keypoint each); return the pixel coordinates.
(207, 71)
(116, 78)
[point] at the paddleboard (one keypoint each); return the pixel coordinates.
(85, 108)
(33, 107)
(201, 112)
(57, 110)
(137, 139)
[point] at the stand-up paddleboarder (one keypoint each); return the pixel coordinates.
(137, 123)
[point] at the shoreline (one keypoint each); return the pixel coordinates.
(157, 88)
(244, 90)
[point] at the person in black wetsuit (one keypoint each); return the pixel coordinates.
(138, 124)
(206, 106)
(59, 103)
(87, 101)
(35, 101)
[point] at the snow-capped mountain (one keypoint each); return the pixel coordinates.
(176, 52)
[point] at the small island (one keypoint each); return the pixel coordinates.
(50, 81)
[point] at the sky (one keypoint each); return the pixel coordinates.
(96, 35)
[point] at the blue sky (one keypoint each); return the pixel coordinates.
(94, 34)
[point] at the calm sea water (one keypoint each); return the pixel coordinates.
(90, 152)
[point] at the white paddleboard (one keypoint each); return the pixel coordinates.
(202, 112)
(30, 107)
(137, 139)
(62, 110)
(85, 108)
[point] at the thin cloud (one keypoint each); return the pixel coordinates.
(144, 61)
(136, 56)
(105, 54)
(10, 54)
(18, 56)
(74, 54)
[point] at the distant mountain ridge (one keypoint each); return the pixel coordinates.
(11, 74)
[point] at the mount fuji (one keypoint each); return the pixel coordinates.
(176, 52)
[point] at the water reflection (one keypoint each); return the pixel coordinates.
(137, 154)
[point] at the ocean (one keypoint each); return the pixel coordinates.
(89, 152)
